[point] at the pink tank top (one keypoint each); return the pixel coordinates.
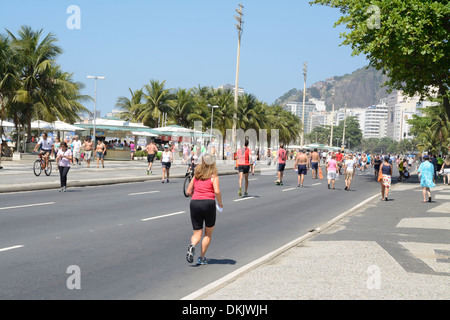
(203, 190)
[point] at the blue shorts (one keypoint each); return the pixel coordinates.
(315, 165)
(302, 169)
(281, 166)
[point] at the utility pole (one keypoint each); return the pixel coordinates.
(236, 83)
(345, 119)
(332, 119)
(304, 95)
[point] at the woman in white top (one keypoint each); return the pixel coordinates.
(166, 160)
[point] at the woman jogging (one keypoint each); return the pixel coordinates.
(166, 161)
(426, 176)
(63, 159)
(385, 178)
(204, 189)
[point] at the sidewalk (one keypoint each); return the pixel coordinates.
(398, 249)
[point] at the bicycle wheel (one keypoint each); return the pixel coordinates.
(37, 169)
(48, 169)
(187, 180)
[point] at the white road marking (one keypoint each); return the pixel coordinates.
(241, 199)
(315, 184)
(289, 189)
(163, 216)
(11, 248)
(138, 193)
(28, 205)
(252, 179)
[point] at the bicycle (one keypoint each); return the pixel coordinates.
(39, 166)
(187, 180)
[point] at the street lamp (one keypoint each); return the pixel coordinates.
(212, 115)
(95, 101)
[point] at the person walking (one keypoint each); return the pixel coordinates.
(77, 150)
(426, 176)
(349, 171)
(204, 189)
(315, 162)
(243, 163)
(100, 150)
(446, 169)
(332, 171)
(63, 159)
(166, 161)
(281, 156)
(88, 145)
(385, 178)
(301, 164)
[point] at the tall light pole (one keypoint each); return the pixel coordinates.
(212, 115)
(95, 101)
(236, 83)
(332, 119)
(345, 119)
(304, 95)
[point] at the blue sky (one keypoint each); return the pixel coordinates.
(189, 43)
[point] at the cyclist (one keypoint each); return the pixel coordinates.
(46, 147)
(192, 159)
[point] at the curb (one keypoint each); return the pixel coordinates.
(209, 289)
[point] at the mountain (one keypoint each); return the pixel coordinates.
(362, 88)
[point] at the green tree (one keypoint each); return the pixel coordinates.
(156, 98)
(408, 40)
(130, 106)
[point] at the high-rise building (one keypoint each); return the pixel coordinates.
(297, 109)
(375, 120)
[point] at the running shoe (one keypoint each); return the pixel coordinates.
(167, 180)
(190, 253)
(148, 172)
(240, 192)
(202, 261)
(245, 194)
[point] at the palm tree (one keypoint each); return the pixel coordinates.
(130, 106)
(43, 90)
(156, 103)
(182, 106)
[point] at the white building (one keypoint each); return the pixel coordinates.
(375, 121)
(297, 109)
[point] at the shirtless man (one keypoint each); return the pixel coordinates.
(315, 159)
(88, 145)
(101, 149)
(151, 150)
(302, 164)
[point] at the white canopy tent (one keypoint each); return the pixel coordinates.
(62, 126)
(41, 125)
(4, 123)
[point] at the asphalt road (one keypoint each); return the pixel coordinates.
(128, 241)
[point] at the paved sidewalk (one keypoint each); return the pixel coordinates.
(398, 249)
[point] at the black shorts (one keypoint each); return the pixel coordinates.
(203, 211)
(281, 166)
(150, 157)
(244, 169)
(302, 169)
(166, 165)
